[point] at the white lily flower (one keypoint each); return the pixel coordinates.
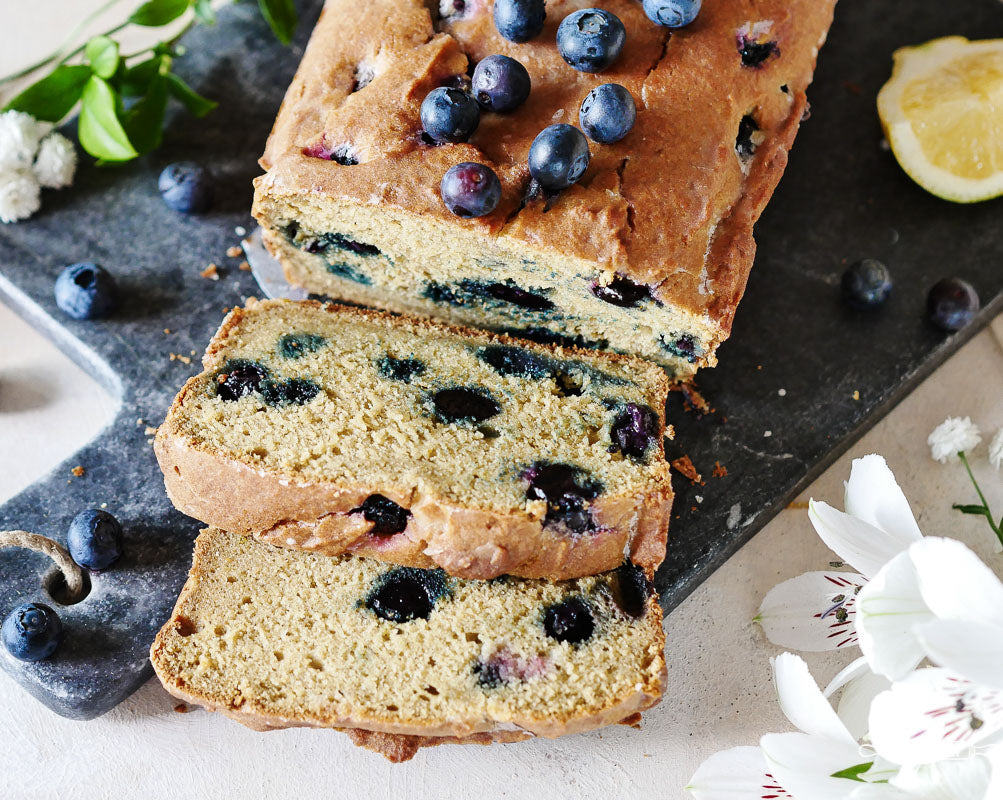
(932, 715)
(996, 449)
(953, 436)
(815, 611)
(969, 778)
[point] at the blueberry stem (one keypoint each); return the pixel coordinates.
(43, 544)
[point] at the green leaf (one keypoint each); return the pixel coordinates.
(102, 55)
(204, 12)
(281, 17)
(101, 133)
(192, 100)
(52, 97)
(853, 773)
(137, 78)
(155, 13)
(982, 511)
(144, 122)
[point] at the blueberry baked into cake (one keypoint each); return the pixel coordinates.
(401, 657)
(334, 429)
(572, 175)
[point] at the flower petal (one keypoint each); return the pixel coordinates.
(804, 765)
(854, 705)
(955, 583)
(933, 714)
(888, 609)
(972, 649)
(803, 702)
(854, 669)
(736, 774)
(873, 495)
(812, 612)
(861, 545)
(951, 779)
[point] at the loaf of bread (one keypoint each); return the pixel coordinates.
(405, 657)
(647, 254)
(334, 429)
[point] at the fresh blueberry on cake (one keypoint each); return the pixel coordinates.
(519, 20)
(470, 190)
(274, 638)
(591, 39)
(607, 113)
(558, 157)
(421, 444)
(500, 83)
(449, 115)
(672, 13)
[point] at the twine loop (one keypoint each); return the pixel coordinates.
(72, 573)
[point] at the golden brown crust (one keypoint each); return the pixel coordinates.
(466, 542)
(669, 205)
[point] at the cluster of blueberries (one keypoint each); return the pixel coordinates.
(589, 40)
(33, 631)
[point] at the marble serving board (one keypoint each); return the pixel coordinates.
(800, 379)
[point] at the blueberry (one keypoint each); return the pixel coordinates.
(631, 589)
(186, 187)
(387, 517)
(94, 539)
(239, 378)
(470, 190)
(633, 430)
(293, 392)
(519, 20)
(400, 369)
(488, 675)
(510, 360)
(951, 304)
(449, 115)
(297, 345)
(684, 347)
(406, 593)
(744, 145)
(567, 492)
(672, 13)
(754, 54)
(31, 632)
(607, 113)
(569, 621)
(558, 157)
(500, 83)
(85, 291)
(622, 292)
(510, 293)
(464, 405)
(866, 284)
(591, 39)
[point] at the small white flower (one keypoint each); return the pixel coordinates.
(953, 436)
(996, 449)
(56, 161)
(20, 194)
(20, 134)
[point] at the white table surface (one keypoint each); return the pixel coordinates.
(719, 694)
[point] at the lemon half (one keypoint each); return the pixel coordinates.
(942, 111)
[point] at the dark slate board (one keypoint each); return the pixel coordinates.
(843, 198)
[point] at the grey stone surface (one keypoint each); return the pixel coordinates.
(843, 198)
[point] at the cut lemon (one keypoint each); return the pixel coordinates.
(942, 111)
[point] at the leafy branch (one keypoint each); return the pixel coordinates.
(123, 98)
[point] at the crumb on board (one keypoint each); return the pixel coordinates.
(150, 430)
(244, 266)
(767, 434)
(240, 230)
(856, 394)
(140, 421)
(235, 251)
(798, 504)
(181, 708)
(692, 399)
(211, 272)
(684, 466)
(782, 392)
(167, 331)
(78, 471)
(670, 432)
(181, 358)
(719, 471)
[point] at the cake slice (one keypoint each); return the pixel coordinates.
(649, 253)
(335, 429)
(406, 657)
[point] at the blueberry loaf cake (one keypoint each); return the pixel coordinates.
(647, 251)
(334, 429)
(408, 656)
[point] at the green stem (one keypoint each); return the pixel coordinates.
(61, 55)
(997, 529)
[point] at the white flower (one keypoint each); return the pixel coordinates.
(20, 194)
(996, 449)
(56, 161)
(20, 134)
(953, 436)
(815, 611)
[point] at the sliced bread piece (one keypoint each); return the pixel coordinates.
(334, 429)
(407, 657)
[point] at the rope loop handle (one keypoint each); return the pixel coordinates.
(72, 573)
